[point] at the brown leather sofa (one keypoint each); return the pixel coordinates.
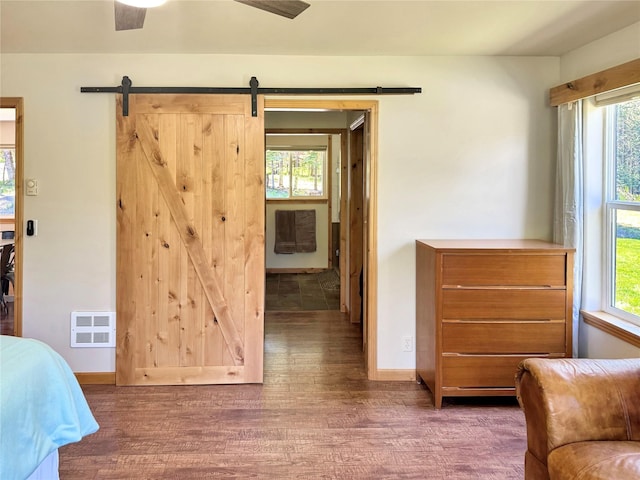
(583, 418)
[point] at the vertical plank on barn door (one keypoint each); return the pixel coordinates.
(190, 254)
(188, 182)
(214, 144)
(168, 344)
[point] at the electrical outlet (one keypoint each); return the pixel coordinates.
(407, 343)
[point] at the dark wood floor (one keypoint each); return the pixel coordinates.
(6, 320)
(315, 417)
(303, 291)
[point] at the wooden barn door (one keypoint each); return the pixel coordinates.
(190, 240)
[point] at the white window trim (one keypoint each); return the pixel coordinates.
(619, 95)
(598, 288)
(594, 226)
(609, 254)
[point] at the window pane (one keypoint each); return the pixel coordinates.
(307, 173)
(277, 174)
(7, 181)
(627, 258)
(624, 189)
(295, 173)
(627, 148)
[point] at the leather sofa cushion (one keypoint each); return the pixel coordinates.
(602, 460)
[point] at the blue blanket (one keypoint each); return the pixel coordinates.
(41, 406)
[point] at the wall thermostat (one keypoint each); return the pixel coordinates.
(31, 185)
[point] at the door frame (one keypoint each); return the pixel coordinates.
(371, 222)
(18, 104)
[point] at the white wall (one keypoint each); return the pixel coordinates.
(607, 52)
(301, 119)
(615, 49)
(317, 259)
(470, 157)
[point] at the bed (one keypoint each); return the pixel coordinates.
(42, 409)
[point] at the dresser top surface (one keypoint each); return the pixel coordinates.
(493, 244)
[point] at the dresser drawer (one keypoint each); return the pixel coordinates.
(503, 337)
(502, 269)
(480, 370)
(509, 304)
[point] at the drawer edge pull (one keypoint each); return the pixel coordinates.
(473, 321)
(499, 354)
(485, 389)
(504, 287)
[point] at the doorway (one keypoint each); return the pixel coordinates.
(11, 218)
(368, 112)
(302, 175)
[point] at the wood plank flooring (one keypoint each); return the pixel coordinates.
(7, 320)
(303, 291)
(315, 417)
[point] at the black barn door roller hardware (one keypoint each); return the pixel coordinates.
(125, 89)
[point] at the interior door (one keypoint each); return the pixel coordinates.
(190, 240)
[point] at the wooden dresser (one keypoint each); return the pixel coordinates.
(484, 305)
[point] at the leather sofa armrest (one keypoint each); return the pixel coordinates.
(572, 400)
(529, 394)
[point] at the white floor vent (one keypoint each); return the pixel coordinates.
(93, 329)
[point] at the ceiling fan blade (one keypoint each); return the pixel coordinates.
(284, 8)
(127, 17)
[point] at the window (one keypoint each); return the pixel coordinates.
(296, 173)
(7, 180)
(622, 212)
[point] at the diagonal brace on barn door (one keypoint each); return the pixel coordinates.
(149, 142)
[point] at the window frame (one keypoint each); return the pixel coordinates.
(611, 206)
(593, 91)
(325, 171)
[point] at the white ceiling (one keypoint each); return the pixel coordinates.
(328, 27)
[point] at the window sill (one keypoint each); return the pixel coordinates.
(613, 325)
(298, 200)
